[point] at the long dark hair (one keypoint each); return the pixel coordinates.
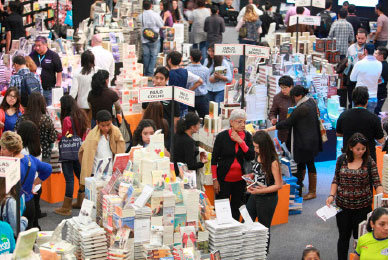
(267, 152)
(155, 112)
(137, 138)
(357, 138)
(376, 214)
(36, 107)
(29, 133)
(166, 7)
(3, 195)
(87, 62)
(185, 123)
(4, 104)
(99, 82)
(70, 108)
(216, 61)
(175, 12)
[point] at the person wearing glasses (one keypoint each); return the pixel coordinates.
(282, 101)
(232, 148)
(10, 110)
(356, 172)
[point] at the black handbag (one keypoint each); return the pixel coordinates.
(124, 127)
(69, 146)
(148, 33)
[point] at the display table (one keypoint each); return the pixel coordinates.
(53, 188)
(133, 120)
(281, 211)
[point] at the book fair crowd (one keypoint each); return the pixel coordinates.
(141, 185)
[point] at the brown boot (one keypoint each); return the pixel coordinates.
(312, 187)
(66, 209)
(80, 197)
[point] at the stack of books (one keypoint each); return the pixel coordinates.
(295, 206)
(255, 237)
(227, 238)
(141, 230)
(385, 173)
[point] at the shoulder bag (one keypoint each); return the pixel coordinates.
(124, 127)
(148, 33)
(69, 146)
(243, 31)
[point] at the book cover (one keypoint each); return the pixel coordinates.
(120, 162)
(180, 221)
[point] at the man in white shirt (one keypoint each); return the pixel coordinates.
(367, 72)
(242, 12)
(103, 58)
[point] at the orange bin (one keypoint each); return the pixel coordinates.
(53, 188)
(133, 120)
(281, 211)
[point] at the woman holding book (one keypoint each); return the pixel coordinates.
(73, 122)
(267, 180)
(355, 174)
(231, 149)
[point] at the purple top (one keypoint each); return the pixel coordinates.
(168, 22)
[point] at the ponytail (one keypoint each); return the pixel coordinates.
(376, 214)
(185, 123)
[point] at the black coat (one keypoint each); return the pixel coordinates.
(306, 130)
(186, 151)
(224, 153)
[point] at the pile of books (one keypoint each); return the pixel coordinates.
(141, 230)
(385, 173)
(227, 238)
(295, 205)
(255, 239)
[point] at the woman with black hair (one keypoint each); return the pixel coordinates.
(355, 174)
(267, 178)
(10, 110)
(101, 97)
(29, 133)
(374, 244)
(155, 112)
(72, 119)
(305, 138)
(81, 83)
(185, 149)
(216, 87)
(166, 15)
(176, 12)
(142, 133)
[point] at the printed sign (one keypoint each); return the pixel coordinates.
(10, 170)
(303, 19)
(154, 94)
(302, 2)
(319, 3)
(257, 51)
(185, 96)
(229, 49)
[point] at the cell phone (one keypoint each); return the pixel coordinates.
(248, 179)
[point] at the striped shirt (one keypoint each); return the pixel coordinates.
(343, 32)
(203, 73)
(354, 186)
(16, 79)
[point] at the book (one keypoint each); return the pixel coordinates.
(120, 162)
(222, 70)
(25, 242)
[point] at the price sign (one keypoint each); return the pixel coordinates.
(10, 170)
(185, 96)
(229, 49)
(257, 51)
(154, 94)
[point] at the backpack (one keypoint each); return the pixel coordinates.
(326, 23)
(29, 85)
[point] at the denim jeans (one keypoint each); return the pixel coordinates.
(216, 96)
(380, 43)
(110, 4)
(150, 52)
(202, 46)
(379, 105)
(47, 94)
(67, 168)
(242, 57)
(371, 105)
(201, 106)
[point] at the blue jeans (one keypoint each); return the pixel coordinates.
(202, 46)
(110, 4)
(242, 57)
(150, 52)
(47, 94)
(217, 96)
(380, 43)
(201, 106)
(371, 105)
(67, 168)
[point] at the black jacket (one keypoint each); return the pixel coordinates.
(185, 151)
(306, 130)
(224, 153)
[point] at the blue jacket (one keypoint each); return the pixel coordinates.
(8, 213)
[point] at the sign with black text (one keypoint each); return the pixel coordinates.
(185, 96)
(257, 51)
(10, 170)
(154, 94)
(307, 20)
(229, 49)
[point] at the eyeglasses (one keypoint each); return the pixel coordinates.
(240, 121)
(14, 97)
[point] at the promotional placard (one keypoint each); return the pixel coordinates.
(154, 94)
(185, 96)
(229, 49)
(302, 2)
(257, 51)
(10, 170)
(303, 19)
(319, 3)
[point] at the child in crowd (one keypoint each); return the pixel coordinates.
(160, 79)
(311, 253)
(142, 133)
(7, 243)
(374, 244)
(103, 141)
(355, 175)
(181, 77)
(267, 178)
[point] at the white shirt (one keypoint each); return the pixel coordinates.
(367, 73)
(242, 12)
(81, 86)
(103, 151)
(353, 52)
(104, 60)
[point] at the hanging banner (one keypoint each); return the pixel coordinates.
(185, 96)
(319, 3)
(228, 49)
(257, 51)
(154, 94)
(10, 170)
